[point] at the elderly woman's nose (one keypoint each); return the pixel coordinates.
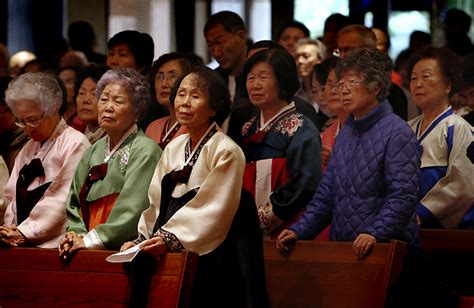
(89, 98)
(255, 83)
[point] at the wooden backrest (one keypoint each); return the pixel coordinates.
(328, 274)
(33, 277)
(447, 255)
(445, 241)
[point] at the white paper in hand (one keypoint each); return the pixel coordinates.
(124, 256)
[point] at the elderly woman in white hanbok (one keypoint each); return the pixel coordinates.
(43, 170)
(447, 175)
(195, 195)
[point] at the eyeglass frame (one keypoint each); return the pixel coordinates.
(338, 51)
(35, 124)
(170, 76)
(350, 84)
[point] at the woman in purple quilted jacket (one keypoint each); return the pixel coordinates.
(370, 189)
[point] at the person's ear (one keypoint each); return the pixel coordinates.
(448, 88)
(242, 34)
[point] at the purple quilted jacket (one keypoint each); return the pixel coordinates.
(371, 183)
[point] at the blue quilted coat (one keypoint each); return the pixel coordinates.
(371, 183)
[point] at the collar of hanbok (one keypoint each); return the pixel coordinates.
(168, 133)
(110, 152)
(192, 156)
(48, 144)
(421, 135)
(94, 135)
(270, 122)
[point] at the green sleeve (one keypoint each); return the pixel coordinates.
(73, 206)
(122, 222)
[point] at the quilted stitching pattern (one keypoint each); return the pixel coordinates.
(371, 185)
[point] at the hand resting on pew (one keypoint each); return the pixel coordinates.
(11, 236)
(155, 246)
(361, 245)
(71, 244)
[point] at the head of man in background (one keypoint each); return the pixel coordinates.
(290, 33)
(352, 37)
(226, 38)
(309, 52)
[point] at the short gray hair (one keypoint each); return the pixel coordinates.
(135, 85)
(374, 66)
(366, 36)
(320, 47)
(40, 88)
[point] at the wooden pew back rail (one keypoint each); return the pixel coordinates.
(328, 274)
(33, 277)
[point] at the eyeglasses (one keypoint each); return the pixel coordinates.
(332, 86)
(339, 51)
(33, 123)
(171, 76)
(348, 84)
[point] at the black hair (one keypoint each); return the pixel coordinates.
(141, 45)
(449, 64)
(292, 24)
(94, 72)
(321, 70)
(188, 62)
(217, 92)
(265, 44)
(231, 22)
(284, 68)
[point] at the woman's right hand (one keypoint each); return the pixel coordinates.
(127, 245)
(285, 239)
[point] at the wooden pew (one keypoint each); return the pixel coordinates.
(33, 277)
(328, 274)
(448, 255)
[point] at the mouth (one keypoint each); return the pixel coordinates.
(346, 102)
(106, 119)
(256, 97)
(164, 94)
(86, 111)
(184, 114)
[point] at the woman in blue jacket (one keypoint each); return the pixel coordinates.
(370, 189)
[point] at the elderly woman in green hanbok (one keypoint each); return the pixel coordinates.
(109, 189)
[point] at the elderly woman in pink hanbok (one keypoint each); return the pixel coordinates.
(43, 170)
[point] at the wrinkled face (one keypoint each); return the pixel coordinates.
(121, 56)
(227, 48)
(332, 96)
(68, 77)
(165, 78)
(427, 85)
(86, 102)
(289, 37)
(347, 42)
(262, 85)
(116, 112)
(306, 58)
(28, 112)
(192, 104)
(357, 99)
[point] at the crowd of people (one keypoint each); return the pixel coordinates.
(288, 140)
